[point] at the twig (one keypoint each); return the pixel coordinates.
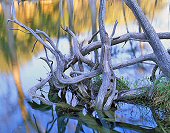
(19, 30)
(114, 29)
(34, 45)
(93, 36)
(39, 131)
(47, 38)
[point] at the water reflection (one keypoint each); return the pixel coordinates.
(127, 118)
(20, 69)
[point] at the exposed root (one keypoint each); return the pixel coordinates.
(80, 81)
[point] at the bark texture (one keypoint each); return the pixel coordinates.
(162, 56)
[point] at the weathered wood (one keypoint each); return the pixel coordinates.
(162, 56)
(133, 93)
(120, 39)
(108, 77)
(107, 91)
(76, 49)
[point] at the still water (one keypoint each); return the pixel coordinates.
(20, 68)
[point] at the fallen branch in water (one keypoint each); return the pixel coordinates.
(80, 81)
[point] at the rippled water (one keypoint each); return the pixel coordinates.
(20, 68)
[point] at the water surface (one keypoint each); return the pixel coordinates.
(20, 68)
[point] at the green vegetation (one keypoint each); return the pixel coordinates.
(122, 83)
(161, 94)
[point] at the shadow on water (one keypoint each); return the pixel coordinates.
(126, 118)
(18, 67)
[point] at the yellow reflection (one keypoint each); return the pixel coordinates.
(5, 66)
(0, 9)
(17, 79)
(25, 12)
(115, 12)
(47, 6)
(28, 12)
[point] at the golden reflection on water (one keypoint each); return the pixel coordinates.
(48, 15)
(21, 96)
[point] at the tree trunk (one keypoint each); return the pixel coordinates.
(162, 56)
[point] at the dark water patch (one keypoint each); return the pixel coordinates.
(126, 118)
